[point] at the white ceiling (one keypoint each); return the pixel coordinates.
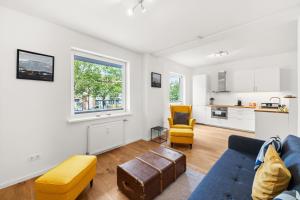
(170, 27)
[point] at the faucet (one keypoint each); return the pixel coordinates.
(279, 100)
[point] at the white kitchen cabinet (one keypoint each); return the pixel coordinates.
(213, 82)
(201, 114)
(200, 90)
(241, 118)
(238, 118)
(269, 124)
(263, 80)
(267, 80)
(243, 81)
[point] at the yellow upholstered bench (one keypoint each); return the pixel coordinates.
(67, 180)
(182, 136)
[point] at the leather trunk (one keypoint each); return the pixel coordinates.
(165, 167)
(178, 158)
(138, 181)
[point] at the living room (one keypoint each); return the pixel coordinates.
(234, 62)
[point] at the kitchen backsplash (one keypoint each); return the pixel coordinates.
(246, 98)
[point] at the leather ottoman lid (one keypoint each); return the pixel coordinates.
(168, 153)
(155, 161)
(141, 171)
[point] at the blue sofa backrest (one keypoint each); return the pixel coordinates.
(291, 157)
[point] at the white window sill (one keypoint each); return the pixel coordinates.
(93, 118)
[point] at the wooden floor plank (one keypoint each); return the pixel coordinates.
(210, 143)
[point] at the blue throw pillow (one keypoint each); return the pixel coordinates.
(276, 142)
(288, 195)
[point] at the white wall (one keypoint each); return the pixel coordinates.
(298, 68)
(157, 99)
(286, 60)
(33, 114)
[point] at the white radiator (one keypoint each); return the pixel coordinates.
(105, 136)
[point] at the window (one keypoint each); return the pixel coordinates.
(176, 88)
(98, 84)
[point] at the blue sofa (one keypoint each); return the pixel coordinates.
(232, 175)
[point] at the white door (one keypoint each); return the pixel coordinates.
(243, 81)
(267, 80)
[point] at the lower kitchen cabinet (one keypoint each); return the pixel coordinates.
(269, 124)
(238, 118)
(201, 114)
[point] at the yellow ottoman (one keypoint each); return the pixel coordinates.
(67, 180)
(182, 136)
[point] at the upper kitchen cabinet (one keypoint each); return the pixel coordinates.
(267, 80)
(212, 82)
(243, 81)
(264, 80)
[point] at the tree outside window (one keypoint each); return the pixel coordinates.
(176, 88)
(98, 85)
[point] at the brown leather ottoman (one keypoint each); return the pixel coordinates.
(138, 181)
(165, 167)
(146, 176)
(179, 159)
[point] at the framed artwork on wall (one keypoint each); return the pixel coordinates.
(155, 80)
(34, 66)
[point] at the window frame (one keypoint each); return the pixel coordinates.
(125, 85)
(181, 89)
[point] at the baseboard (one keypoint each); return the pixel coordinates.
(147, 139)
(24, 178)
(235, 129)
(133, 140)
(40, 172)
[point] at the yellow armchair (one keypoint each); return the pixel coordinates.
(181, 108)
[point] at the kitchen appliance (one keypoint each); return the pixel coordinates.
(222, 82)
(270, 105)
(211, 101)
(239, 103)
(219, 112)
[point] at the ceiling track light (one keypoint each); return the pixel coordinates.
(140, 4)
(219, 54)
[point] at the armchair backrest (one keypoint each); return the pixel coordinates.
(180, 108)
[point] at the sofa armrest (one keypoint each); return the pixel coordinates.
(245, 144)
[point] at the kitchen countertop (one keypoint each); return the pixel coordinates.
(256, 109)
(232, 106)
(272, 110)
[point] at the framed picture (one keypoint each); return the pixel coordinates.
(34, 66)
(155, 80)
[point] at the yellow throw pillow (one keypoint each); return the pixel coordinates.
(271, 178)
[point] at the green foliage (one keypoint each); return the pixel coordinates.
(174, 92)
(97, 81)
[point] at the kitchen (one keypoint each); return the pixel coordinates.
(259, 100)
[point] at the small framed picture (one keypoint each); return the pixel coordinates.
(34, 66)
(155, 80)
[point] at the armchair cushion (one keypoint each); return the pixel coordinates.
(181, 126)
(181, 118)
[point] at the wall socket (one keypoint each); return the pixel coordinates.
(34, 157)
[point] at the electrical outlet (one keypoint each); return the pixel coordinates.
(34, 157)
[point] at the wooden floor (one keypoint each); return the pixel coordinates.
(210, 143)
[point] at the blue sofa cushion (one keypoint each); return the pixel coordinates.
(230, 178)
(291, 157)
